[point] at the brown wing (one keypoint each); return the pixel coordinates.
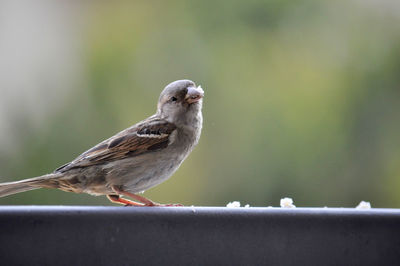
(146, 136)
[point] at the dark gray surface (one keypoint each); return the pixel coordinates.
(32, 235)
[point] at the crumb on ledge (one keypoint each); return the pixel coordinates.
(364, 205)
(233, 204)
(236, 204)
(287, 203)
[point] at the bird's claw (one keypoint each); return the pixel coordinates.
(165, 205)
(156, 205)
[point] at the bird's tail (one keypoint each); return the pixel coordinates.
(25, 185)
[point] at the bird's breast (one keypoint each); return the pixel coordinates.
(144, 171)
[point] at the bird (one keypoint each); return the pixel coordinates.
(135, 159)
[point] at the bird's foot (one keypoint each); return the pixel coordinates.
(125, 202)
(165, 205)
(146, 202)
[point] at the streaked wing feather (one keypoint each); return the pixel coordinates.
(144, 137)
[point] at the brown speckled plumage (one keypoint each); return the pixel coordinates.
(136, 158)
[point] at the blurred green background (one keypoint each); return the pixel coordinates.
(302, 97)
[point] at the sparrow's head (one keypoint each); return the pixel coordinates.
(180, 101)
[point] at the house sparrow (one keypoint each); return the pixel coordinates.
(135, 159)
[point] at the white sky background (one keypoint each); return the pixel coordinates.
(40, 61)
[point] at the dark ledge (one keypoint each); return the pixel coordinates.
(51, 235)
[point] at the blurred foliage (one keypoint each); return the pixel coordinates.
(302, 100)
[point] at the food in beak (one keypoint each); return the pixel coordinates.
(194, 94)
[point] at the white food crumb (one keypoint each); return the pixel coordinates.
(233, 204)
(287, 203)
(247, 206)
(364, 205)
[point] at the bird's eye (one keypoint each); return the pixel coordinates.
(173, 99)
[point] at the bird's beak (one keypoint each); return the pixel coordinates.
(194, 94)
